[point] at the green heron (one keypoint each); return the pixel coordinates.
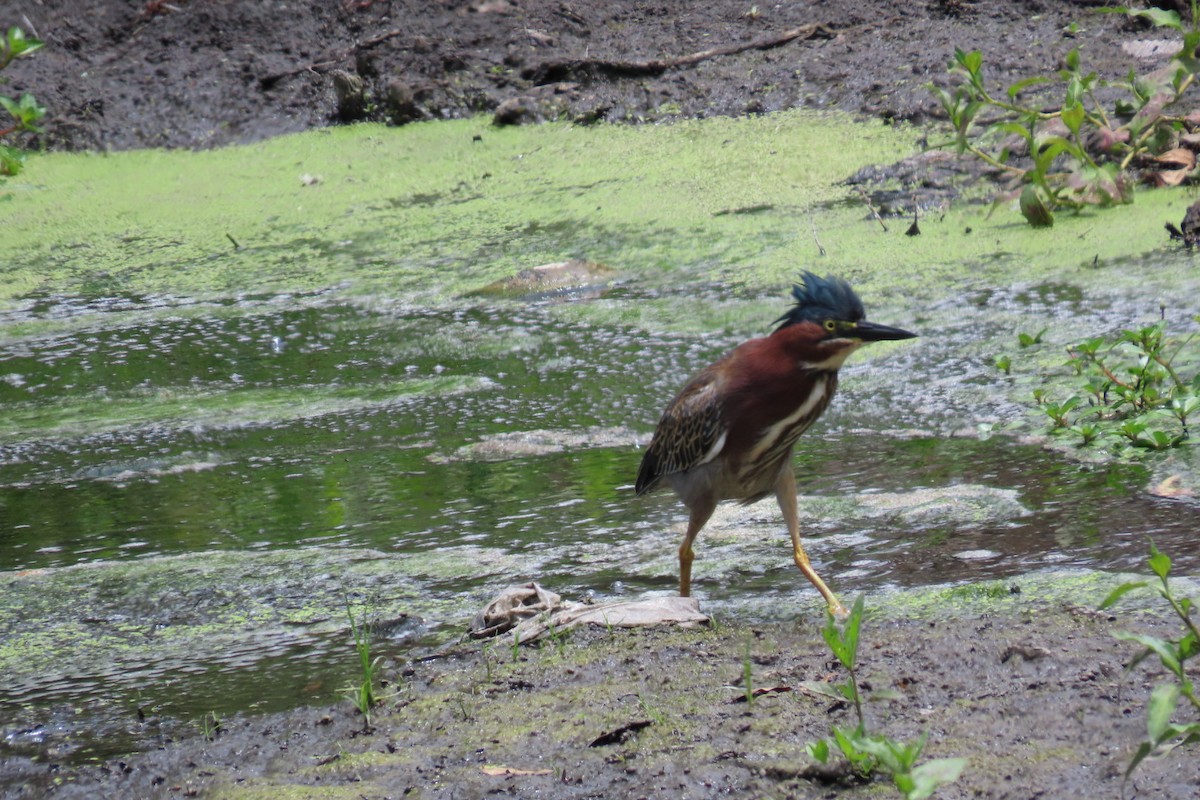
(729, 434)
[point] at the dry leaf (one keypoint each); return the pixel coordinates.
(1107, 138)
(1180, 156)
(491, 769)
(1171, 487)
(1152, 49)
(1169, 177)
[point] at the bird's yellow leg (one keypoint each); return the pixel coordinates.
(785, 494)
(699, 516)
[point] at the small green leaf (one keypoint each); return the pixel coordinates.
(1144, 749)
(833, 639)
(1028, 340)
(1160, 563)
(18, 44)
(1158, 17)
(1072, 117)
(1025, 83)
(1119, 592)
(818, 750)
(893, 756)
(852, 627)
(1158, 713)
(927, 778)
(829, 690)
(970, 61)
(1163, 649)
(1073, 59)
(1051, 148)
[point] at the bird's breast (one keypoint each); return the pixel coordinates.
(779, 421)
(789, 428)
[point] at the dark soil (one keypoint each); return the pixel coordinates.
(1037, 700)
(202, 73)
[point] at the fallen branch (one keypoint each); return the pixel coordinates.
(578, 69)
(874, 213)
(620, 734)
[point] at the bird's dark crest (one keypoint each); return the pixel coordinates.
(819, 299)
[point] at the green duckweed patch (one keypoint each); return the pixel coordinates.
(1029, 593)
(425, 211)
(429, 213)
(96, 621)
(176, 406)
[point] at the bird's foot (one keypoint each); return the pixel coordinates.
(839, 611)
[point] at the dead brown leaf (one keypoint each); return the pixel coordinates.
(1171, 487)
(1180, 156)
(496, 770)
(1168, 177)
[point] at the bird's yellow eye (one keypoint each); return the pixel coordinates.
(830, 325)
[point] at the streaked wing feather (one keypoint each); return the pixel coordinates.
(689, 429)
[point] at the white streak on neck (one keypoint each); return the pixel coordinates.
(834, 362)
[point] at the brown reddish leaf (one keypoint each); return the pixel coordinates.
(1180, 156)
(492, 769)
(1168, 177)
(1192, 120)
(1107, 138)
(1150, 112)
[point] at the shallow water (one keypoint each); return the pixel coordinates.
(143, 428)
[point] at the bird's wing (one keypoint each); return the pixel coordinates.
(690, 433)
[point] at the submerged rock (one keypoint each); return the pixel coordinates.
(518, 444)
(962, 505)
(560, 276)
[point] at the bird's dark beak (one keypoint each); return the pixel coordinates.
(874, 332)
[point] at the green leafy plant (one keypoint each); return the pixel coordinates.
(1081, 153)
(1130, 391)
(867, 753)
(210, 725)
(24, 112)
(1163, 735)
(1030, 339)
(559, 638)
(650, 711)
(363, 694)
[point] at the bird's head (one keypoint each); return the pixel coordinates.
(829, 318)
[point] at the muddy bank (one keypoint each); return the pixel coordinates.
(1023, 678)
(196, 73)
